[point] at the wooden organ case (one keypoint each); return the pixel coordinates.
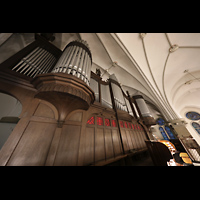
(70, 117)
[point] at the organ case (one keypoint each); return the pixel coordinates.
(75, 125)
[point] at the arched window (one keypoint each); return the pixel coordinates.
(163, 133)
(169, 132)
(193, 115)
(196, 127)
(160, 121)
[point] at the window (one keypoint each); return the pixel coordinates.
(130, 125)
(163, 133)
(114, 123)
(107, 122)
(160, 121)
(168, 130)
(91, 120)
(193, 115)
(133, 126)
(100, 121)
(196, 127)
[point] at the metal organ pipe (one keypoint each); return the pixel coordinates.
(84, 67)
(142, 106)
(69, 59)
(36, 62)
(118, 96)
(88, 72)
(76, 60)
(80, 69)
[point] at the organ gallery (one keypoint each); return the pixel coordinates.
(68, 111)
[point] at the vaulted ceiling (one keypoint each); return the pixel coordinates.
(171, 63)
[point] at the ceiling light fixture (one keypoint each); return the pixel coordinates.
(114, 64)
(188, 82)
(195, 78)
(142, 35)
(173, 48)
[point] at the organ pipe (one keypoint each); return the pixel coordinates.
(76, 60)
(118, 96)
(142, 106)
(38, 61)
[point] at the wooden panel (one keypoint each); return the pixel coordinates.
(136, 143)
(116, 142)
(142, 139)
(124, 139)
(139, 139)
(44, 111)
(76, 117)
(129, 139)
(108, 144)
(89, 146)
(131, 135)
(34, 145)
(133, 139)
(99, 145)
(67, 153)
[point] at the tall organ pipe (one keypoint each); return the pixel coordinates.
(144, 110)
(76, 60)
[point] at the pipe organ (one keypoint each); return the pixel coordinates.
(143, 111)
(95, 87)
(69, 116)
(118, 96)
(38, 61)
(105, 96)
(76, 60)
(142, 106)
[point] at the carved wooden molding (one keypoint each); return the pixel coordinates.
(64, 91)
(149, 121)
